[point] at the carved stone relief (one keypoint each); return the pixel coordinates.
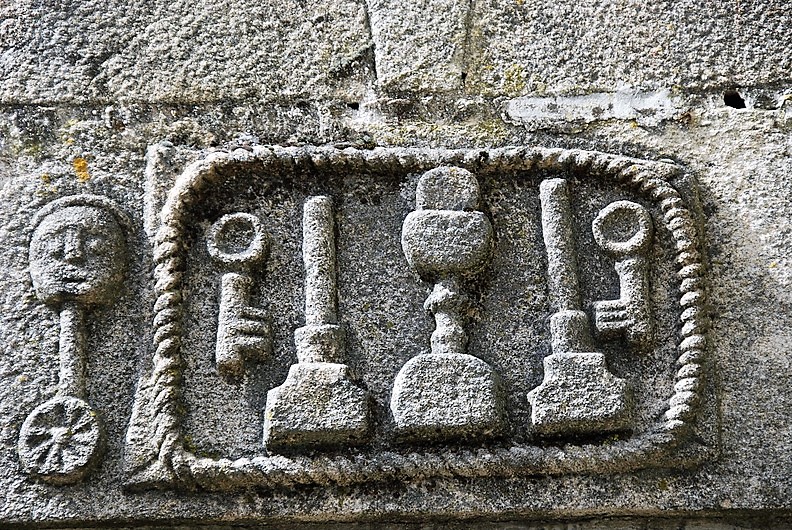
(578, 393)
(77, 254)
(318, 404)
(447, 393)
(631, 312)
(238, 240)
(585, 383)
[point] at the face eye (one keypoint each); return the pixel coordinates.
(94, 243)
(54, 247)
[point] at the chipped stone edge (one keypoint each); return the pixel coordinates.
(156, 456)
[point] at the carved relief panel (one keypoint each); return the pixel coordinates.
(77, 258)
(338, 316)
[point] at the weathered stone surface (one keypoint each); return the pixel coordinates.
(567, 48)
(578, 394)
(86, 90)
(317, 405)
(447, 396)
(461, 241)
(182, 52)
(447, 188)
(419, 47)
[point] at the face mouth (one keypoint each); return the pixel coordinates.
(73, 279)
(72, 275)
(74, 283)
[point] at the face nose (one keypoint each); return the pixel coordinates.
(73, 251)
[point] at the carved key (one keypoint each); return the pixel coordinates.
(624, 230)
(238, 240)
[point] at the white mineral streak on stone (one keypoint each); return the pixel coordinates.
(646, 108)
(320, 262)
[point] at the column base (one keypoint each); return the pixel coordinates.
(317, 405)
(444, 396)
(579, 395)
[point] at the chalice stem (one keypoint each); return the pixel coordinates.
(446, 302)
(71, 349)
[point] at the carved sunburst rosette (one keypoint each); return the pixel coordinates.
(60, 440)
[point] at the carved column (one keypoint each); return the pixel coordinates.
(318, 404)
(578, 393)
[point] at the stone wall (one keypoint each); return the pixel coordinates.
(504, 264)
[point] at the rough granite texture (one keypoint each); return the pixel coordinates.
(117, 100)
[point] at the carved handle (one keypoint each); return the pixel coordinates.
(243, 331)
(624, 230)
(71, 350)
(569, 325)
(321, 340)
(447, 304)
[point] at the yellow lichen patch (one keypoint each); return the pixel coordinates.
(514, 80)
(45, 178)
(81, 169)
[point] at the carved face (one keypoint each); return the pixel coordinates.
(77, 254)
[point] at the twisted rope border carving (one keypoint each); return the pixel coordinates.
(155, 420)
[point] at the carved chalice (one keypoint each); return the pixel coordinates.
(76, 262)
(447, 393)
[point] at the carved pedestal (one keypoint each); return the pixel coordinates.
(578, 393)
(318, 404)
